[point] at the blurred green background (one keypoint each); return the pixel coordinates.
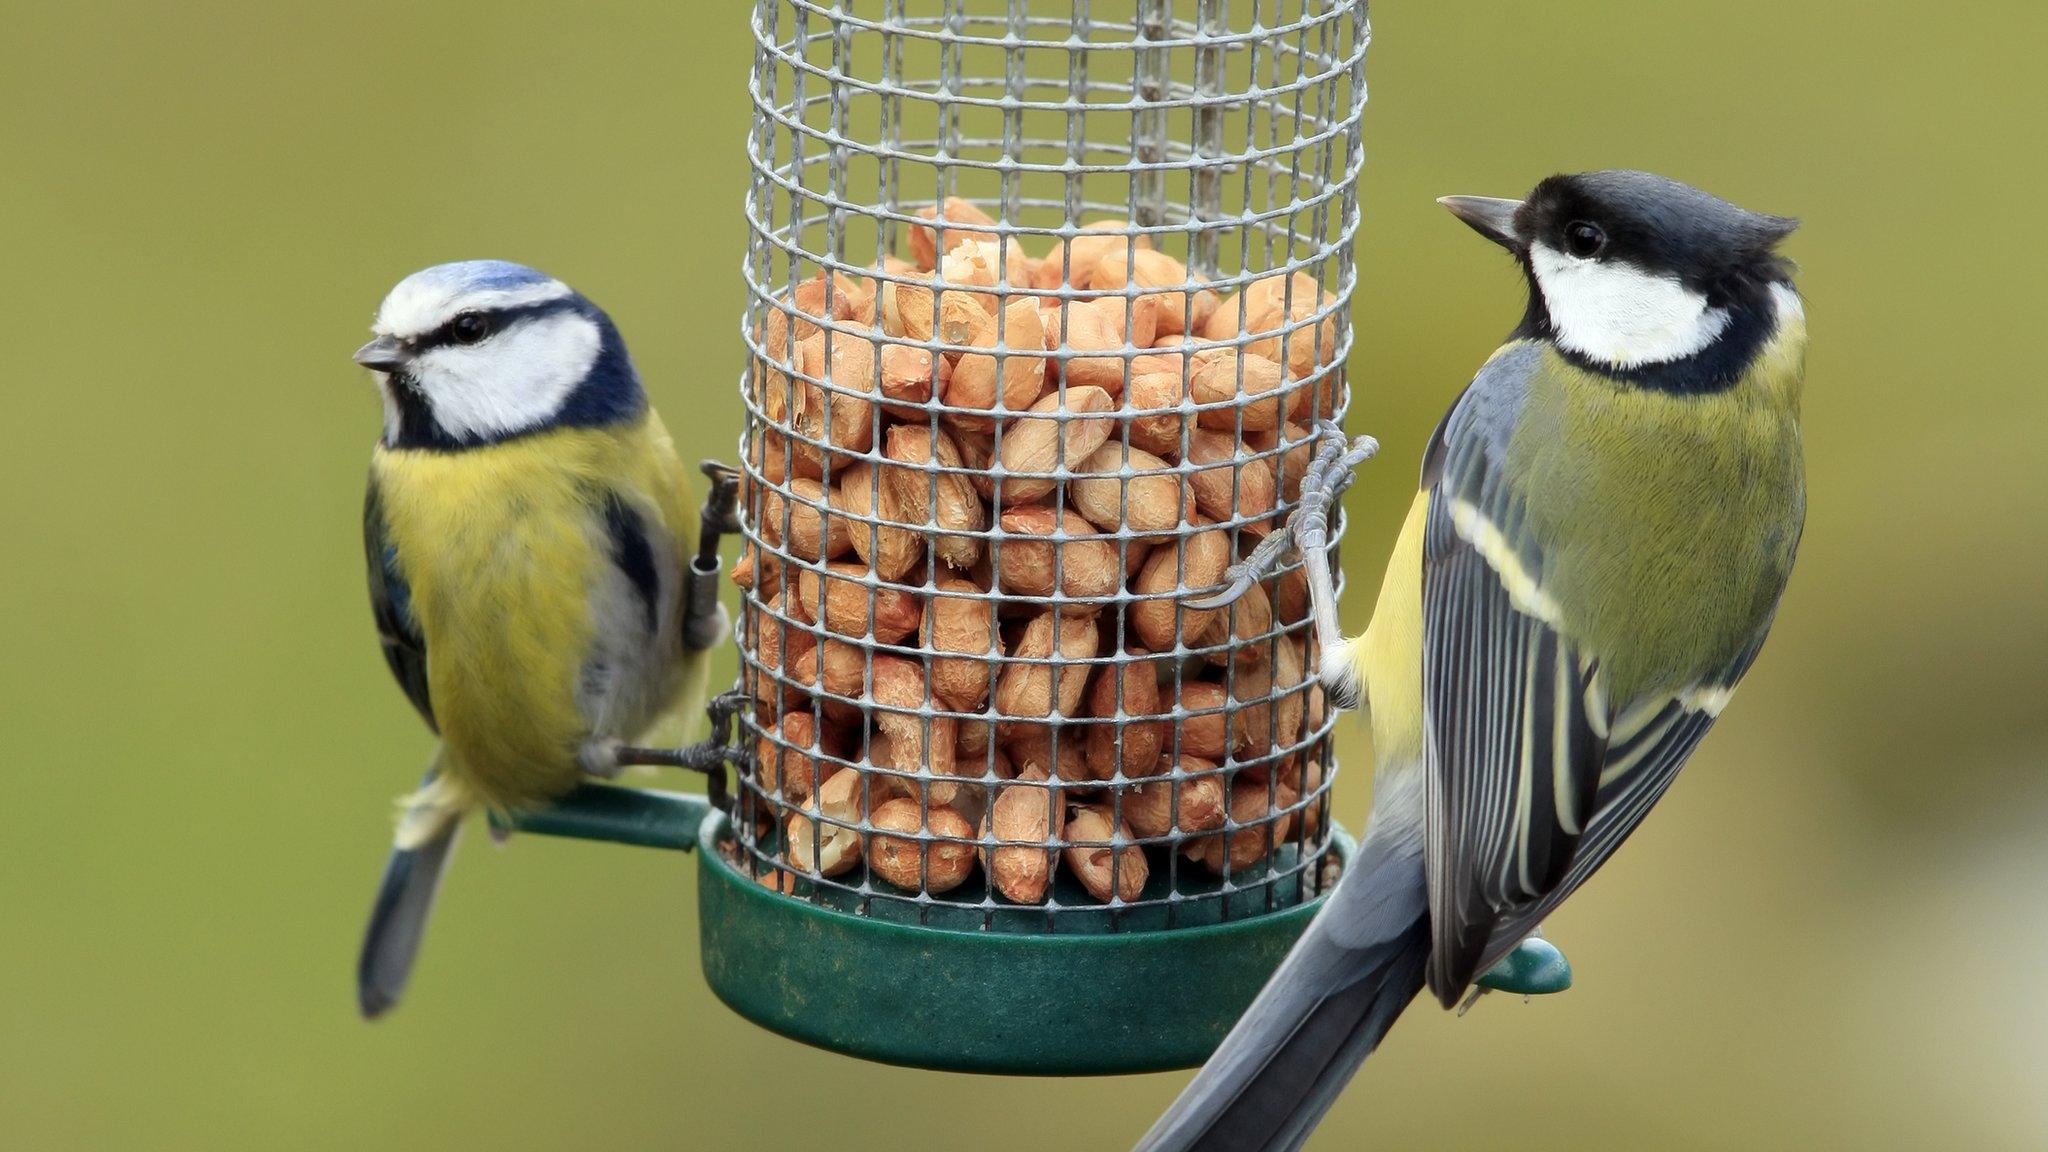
(1831, 936)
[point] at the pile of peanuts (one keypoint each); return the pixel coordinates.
(965, 622)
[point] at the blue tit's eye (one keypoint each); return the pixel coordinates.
(469, 327)
(1584, 239)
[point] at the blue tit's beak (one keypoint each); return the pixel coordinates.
(1489, 216)
(384, 354)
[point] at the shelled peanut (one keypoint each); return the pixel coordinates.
(975, 515)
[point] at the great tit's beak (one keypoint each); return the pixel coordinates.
(1489, 216)
(384, 354)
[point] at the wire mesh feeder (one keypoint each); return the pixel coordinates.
(1043, 313)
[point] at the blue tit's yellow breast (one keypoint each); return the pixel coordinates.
(501, 546)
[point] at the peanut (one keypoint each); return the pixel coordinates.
(909, 311)
(926, 495)
(1162, 582)
(963, 623)
(1249, 806)
(849, 606)
(1149, 505)
(1027, 689)
(1149, 807)
(1131, 744)
(789, 766)
(906, 377)
(915, 864)
(1159, 412)
(1035, 448)
(1230, 485)
(826, 848)
(978, 379)
(1084, 566)
(1076, 259)
(889, 549)
(1224, 376)
(1206, 735)
(1108, 873)
(811, 534)
(926, 243)
(1031, 813)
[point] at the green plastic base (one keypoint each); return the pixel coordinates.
(1086, 1001)
(982, 1001)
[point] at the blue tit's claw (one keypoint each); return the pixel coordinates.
(1534, 968)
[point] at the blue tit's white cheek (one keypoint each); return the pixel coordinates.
(1618, 314)
(513, 381)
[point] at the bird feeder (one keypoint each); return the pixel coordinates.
(1044, 310)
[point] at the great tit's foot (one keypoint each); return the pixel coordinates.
(1329, 473)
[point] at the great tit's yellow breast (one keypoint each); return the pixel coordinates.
(501, 546)
(1667, 522)
(1389, 654)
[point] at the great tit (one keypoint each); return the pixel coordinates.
(526, 532)
(1607, 519)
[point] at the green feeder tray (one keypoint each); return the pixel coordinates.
(1010, 998)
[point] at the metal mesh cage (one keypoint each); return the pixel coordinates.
(1043, 311)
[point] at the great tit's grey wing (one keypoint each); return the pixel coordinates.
(1648, 742)
(405, 646)
(1515, 734)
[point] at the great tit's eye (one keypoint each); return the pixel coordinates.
(1584, 239)
(469, 327)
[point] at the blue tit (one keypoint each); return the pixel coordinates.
(526, 528)
(1607, 519)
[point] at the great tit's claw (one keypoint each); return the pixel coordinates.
(1328, 475)
(1240, 579)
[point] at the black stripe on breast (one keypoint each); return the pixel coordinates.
(633, 555)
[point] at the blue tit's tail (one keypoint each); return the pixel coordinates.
(1352, 972)
(419, 854)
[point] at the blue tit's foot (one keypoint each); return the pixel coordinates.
(1534, 968)
(600, 758)
(1329, 473)
(708, 758)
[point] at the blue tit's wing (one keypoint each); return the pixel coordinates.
(405, 646)
(1515, 733)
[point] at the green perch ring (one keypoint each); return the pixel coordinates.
(1534, 968)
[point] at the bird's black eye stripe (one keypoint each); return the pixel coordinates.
(470, 327)
(474, 327)
(1584, 239)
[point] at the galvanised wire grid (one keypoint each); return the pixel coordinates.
(1225, 135)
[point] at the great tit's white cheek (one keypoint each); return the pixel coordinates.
(512, 381)
(1622, 315)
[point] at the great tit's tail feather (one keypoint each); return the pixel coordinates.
(420, 851)
(1354, 970)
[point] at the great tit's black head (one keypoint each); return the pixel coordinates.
(1653, 223)
(482, 351)
(1630, 268)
